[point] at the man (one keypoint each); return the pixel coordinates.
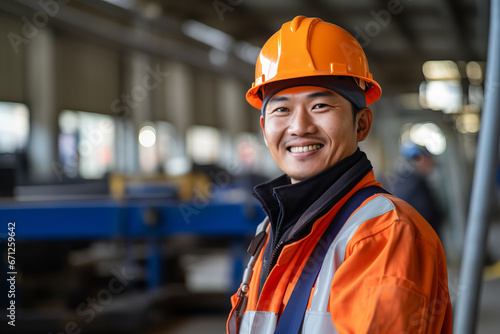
(410, 183)
(382, 270)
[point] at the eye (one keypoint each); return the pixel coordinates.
(280, 110)
(321, 106)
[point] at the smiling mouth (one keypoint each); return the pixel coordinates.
(308, 148)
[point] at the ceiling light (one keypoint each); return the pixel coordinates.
(441, 95)
(441, 70)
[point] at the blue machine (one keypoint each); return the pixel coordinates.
(151, 220)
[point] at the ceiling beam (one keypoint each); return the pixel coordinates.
(87, 25)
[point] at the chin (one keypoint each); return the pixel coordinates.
(303, 172)
(297, 177)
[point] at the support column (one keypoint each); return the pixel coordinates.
(486, 162)
(137, 97)
(179, 95)
(231, 98)
(40, 92)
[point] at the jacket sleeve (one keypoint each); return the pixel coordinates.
(393, 280)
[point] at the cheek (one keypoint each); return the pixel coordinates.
(272, 132)
(338, 132)
(341, 134)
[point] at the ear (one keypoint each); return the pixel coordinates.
(262, 123)
(364, 120)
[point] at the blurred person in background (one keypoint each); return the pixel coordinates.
(410, 183)
(336, 254)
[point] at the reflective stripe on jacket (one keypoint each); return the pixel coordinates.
(385, 272)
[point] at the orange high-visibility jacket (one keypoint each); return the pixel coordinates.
(385, 272)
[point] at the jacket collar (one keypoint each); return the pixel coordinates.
(298, 204)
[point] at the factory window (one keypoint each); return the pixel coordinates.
(204, 144)
(14, 127)
(86, 144)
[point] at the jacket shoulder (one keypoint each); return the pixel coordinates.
(385, 213)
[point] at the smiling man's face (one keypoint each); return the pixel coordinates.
(308, 129)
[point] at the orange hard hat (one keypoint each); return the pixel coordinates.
(308, 47)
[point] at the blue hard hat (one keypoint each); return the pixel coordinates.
(410, 150)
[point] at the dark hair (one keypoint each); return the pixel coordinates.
(355, 111)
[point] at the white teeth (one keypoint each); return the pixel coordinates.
(299, 149)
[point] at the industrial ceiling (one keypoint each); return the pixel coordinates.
(398, 35)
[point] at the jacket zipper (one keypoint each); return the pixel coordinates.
(274, 256)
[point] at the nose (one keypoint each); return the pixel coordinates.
(301, 123)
